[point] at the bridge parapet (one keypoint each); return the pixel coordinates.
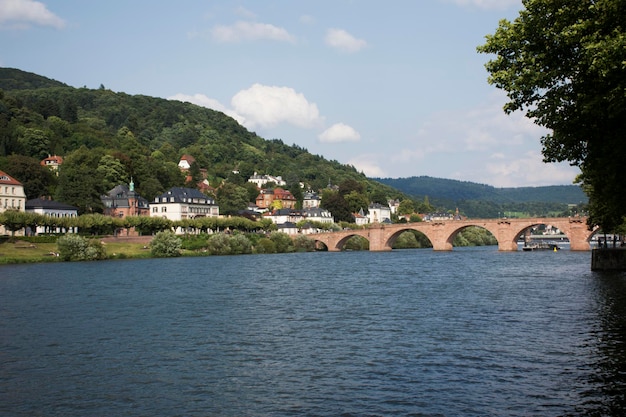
(442, 233)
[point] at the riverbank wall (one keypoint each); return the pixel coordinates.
(608, 259)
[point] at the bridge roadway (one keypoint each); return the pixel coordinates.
(441, 234)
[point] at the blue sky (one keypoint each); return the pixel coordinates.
(394, 88)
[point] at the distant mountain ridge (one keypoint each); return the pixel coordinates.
(456, 191)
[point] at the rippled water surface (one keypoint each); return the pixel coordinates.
(472, 332)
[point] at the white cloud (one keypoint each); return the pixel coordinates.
(482, 144)
(210, 103)
(479, 129)
(528, 169)
(250, 31)
(339, 132)
(368, 164)
(342, 40)
(200, 100)
(268, 106)
(23, 13)
(262, 106)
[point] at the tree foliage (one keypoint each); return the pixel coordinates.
(564, 64)
(165, 244)
(73, 247)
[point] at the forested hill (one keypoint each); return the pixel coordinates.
(464, 190)
(107, 138)
(14, 79)
(480, 200)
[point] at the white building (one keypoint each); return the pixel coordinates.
(12, 196)
(360, 219)
(53, 209)
(319, 215)
(261, 180)
(183, 203)
(310, 199)
(285, 215)
(377, 213)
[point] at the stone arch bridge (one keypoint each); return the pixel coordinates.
(441, 234)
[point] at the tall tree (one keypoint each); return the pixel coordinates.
(564, 64)
(37, 180)
(78, 184)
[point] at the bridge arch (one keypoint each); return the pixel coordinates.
(391, 240)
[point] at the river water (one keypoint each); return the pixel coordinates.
(472, 332)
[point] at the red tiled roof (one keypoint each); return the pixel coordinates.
(56, 159)
(7, 179)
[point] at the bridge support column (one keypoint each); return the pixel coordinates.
(507, 246)
(376, 236)
(442, 246)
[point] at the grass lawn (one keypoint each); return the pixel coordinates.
(21, 251)
(126, 250)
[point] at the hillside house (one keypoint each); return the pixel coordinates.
(317, 214)
(378, 213)
(261, 180)
(284, 215)
(48, 207)
(185, 162)
(393, 205)
(183, 203)
(310, 199)
(288, 228)
(360, 219)
(123, 201)
(12, 196)
(53, 163)
(267, 197)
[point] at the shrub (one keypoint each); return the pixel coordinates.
(165, 244)
(304, 244)
(195, 242)
(73, 247)
(264, 245)
(239, 244)
(283, 242)
(219, 244)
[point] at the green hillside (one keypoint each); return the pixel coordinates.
(14, 79)
(480, 200)
(107, 138)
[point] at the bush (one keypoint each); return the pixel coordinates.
(195, 242)
(77, 248)
(283, 242)
(219, 244)
(165, 245)
(239, 244)
(304, 244)
(264, 245)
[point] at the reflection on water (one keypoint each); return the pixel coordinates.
(470, 332)
(609, 332)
